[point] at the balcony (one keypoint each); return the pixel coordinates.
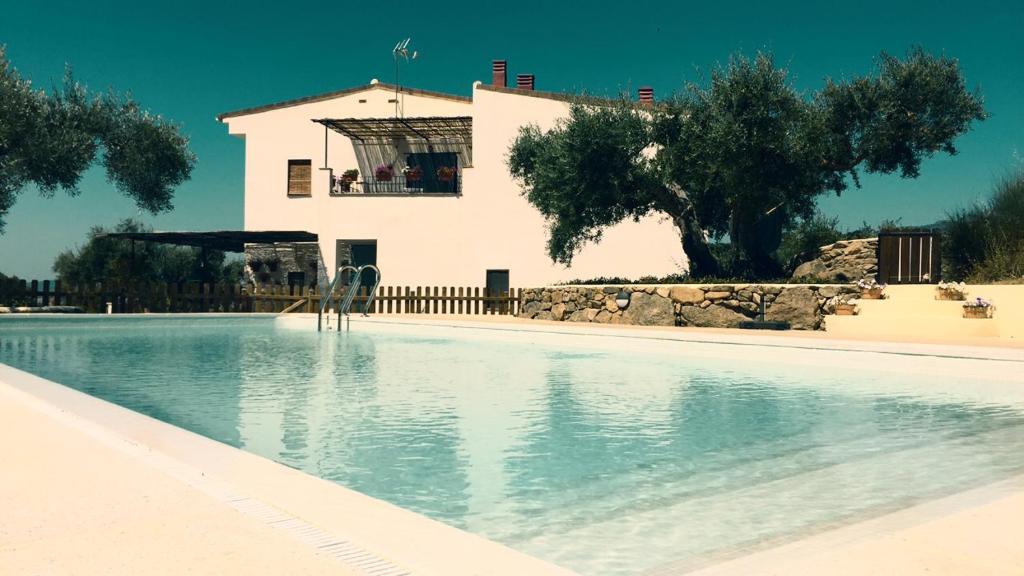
(397, 186)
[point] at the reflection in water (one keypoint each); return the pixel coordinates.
(601, 461)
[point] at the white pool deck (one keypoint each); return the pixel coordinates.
(87, 487)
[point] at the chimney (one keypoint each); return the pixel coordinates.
(498, 68)
(524, 81)
(646, 94)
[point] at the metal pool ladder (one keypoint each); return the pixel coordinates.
(350, 294)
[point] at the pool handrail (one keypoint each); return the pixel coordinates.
(325, 301)
(351, 294)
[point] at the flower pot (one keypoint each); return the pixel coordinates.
(953, 295)
(847, 310)
(873, 294)
(977, 312)
(345, 185)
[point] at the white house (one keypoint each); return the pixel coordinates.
(474, 230)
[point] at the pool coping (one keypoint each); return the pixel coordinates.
(387, 538)
(400, 537)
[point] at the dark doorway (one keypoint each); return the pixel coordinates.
(497, 285)
(356, 253)
(429, 162)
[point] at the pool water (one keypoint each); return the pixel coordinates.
(604, 460)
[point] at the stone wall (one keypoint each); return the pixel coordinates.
(843, 261)
(269, 264)
(710, 306)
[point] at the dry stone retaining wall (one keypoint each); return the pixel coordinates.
(712, 306)
(843, 261)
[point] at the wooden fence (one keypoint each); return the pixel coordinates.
(195, 297)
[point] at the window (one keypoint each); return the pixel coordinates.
(300, 177)
(296, 279)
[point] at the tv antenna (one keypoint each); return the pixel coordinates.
(400, 53)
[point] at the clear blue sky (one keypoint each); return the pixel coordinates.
(190, 60)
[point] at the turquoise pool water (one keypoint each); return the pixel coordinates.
(603, 460)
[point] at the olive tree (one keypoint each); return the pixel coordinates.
(742, 157)
(50, 139)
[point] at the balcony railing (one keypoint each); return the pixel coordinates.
(397, 186)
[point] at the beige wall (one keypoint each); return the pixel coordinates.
(424, 240)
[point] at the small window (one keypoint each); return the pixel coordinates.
(300, 177)
(297, 279)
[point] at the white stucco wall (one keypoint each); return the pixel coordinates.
(426, 240)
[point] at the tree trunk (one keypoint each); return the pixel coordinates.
(695, 245)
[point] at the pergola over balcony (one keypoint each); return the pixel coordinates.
(424, 142)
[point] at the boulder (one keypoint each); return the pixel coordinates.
(798, 306)
(686, 295)
(845, 261)
(711, 317)
(649, 310)
(558, 311)
(718, 294)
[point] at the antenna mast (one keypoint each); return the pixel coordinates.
(401, 52)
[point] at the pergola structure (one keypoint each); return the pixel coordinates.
(372, 137)
(224, 240)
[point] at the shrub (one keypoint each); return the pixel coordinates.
(986, 243)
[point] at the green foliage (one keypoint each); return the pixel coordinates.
(594, 160)
(50, 140)
(802, 240)
(986, 243)
(11, 292)
(103, 259)
(745, 156)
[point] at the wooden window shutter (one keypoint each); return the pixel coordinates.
(300, 177)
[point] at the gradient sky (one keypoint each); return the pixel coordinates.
(190, 60)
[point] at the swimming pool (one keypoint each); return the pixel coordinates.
(605, 455)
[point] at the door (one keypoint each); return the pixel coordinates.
(364, 253)
(909, 258)
(429, 162)
(497, 285)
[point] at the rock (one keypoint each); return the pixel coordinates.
(711, 317)
(718, 295)
(662, 291)
(686, 295)
(591, 314)
(603, 316)
(705, 304)
(798, 306)
(558, 311)
(844, 261)
(828, 291)
(543, 316)
(530, 308)
(556, 296)
(578, 316)
(610, 290)
(649, 310)
(610, 305)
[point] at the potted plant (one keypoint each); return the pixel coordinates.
(979, 308)
(446, 173)
(847, 309)
(413, 173)
(384, 173)
(344, 182)
(951, 291)
(870, 289)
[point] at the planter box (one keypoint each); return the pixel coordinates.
(977, 311)
(950, 295)
(873, 294)
(847, 310)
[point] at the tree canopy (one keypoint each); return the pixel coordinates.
(50, 139)
(744, 156)
(103, 259)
